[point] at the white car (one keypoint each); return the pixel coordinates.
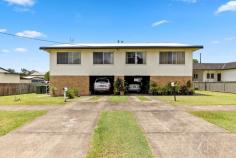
(102, 85)
(134, 87)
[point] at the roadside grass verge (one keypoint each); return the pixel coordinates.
(118, 99)
(202, 98)
(143, 98)
(10, 120)
(118, 135)
(31, 99)
(224, 119)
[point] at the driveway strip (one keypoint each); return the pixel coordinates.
(62, 133)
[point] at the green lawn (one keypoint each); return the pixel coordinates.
(10, 120)
(202, 98)
(31, 99)
(143, 98)
(118, 99)
(118, 135)
(224, 119)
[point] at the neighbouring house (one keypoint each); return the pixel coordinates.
(214, 72)
(35, 78)
(79, 65)
(8, 77)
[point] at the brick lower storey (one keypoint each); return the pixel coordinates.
(79, 82)
(82, 82)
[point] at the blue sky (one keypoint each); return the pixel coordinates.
(211, 23)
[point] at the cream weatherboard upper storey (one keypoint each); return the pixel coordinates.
(119, 67)
(151, 65)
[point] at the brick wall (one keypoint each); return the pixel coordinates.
(79, 82)
(163, 80)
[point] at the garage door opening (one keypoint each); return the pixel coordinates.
(137, 84)
(101, 85)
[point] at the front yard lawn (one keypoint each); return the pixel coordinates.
(224, 119)
(31, 99)
(202, 98)
(10, 120)
(118, 99)
(118, 135)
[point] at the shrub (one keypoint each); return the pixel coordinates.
(155, 89)
(72, 92)
(118, 86)
(187, 89)
(53, 91)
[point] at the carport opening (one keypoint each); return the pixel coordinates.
(132, 84)
(92, 80)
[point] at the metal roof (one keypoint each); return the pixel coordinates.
(214, 66)
(121, 45)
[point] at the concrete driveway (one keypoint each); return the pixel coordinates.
(65, 132)
(174, 133)
(62, 133)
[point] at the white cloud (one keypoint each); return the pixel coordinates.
(5, 50)
(3, 30)
(158, 23)
(24, 3)
(20, 50)
(30, 34)
(229, 6)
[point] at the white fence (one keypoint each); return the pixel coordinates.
(229, 87)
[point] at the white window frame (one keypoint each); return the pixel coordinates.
(136, 58)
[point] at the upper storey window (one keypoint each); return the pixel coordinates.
(135, 58)
(68, 58)
(103, 58)
(172, 58)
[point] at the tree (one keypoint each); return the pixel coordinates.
(11, 71)
(25, 72)
(47, 76)
(195, 61)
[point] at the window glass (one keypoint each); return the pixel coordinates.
(172, 58)
(103, 58)
(135, 58)
(68, 58)
(212, 76)
(130, 58)
(108, 58)
(141, 58)
(98, 58)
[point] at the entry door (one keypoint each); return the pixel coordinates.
(219, 77)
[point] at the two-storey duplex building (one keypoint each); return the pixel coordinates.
(78, 65)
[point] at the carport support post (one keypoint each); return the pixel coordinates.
(122, 78)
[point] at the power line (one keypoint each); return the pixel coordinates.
(36, 39)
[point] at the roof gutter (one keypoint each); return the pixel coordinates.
(121, 47)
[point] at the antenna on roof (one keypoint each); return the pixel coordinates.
(120, 41)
